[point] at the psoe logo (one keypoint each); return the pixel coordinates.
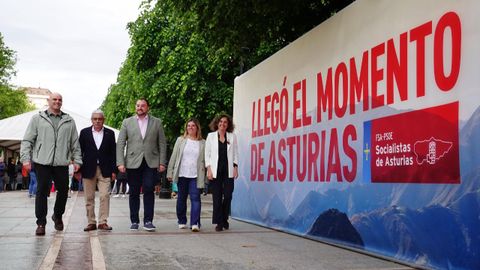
(431, 150)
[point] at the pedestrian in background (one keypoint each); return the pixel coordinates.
(145, 156)
(12, 174)
(121, 183)
(221, 160)
(25, 175)
(186, 168)
(18, 168)
(32, 186)
(78, 180)
(2, 174)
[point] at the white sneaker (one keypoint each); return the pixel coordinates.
(195, 228)
(182, 226)
(116, 196)
(124, 196)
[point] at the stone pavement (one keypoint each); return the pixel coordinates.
(244, 246)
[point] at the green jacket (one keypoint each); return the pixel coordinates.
(43, 144)
(174, 163)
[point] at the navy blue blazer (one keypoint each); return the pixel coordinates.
(105, 156)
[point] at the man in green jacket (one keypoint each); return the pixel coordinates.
(51, 142)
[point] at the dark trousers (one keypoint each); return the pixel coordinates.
(25, 182)
(145, 178)
(222, 189)
(45, 175)
(12, 181)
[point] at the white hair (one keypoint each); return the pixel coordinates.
(98, 111)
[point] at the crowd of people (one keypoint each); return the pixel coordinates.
(14, 177)
(52, 153)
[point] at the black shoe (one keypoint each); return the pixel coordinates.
(40, 230)
(58, 223)
(226, 226)
(219, 228)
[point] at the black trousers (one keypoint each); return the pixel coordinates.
(122, 182)
(45, 176)
(222, 189)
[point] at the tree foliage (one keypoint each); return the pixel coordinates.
(12, 102)
(184, 55)
(169, 64)
(7, 62)
(252, 30)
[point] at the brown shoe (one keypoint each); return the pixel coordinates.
(104, 227)
(40, 230)
(58, 223)
(90, 227)
(219, 228)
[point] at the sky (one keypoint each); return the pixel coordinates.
(72, 47)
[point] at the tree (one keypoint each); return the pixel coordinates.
(7, 62)
(169, 64)
(12, 102)
(184, 55)
(252, 30)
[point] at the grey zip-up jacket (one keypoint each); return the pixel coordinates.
(44, 144)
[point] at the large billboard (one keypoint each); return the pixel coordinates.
(365, 132)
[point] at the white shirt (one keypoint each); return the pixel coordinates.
(98, 137)
(188, 164)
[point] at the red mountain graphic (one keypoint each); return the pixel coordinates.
(431, 150)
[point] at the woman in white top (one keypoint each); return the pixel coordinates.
(186, 168)
(221, 159)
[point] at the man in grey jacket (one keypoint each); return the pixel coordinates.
(51, 142)
(145, 156)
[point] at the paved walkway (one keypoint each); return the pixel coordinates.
(244, 246)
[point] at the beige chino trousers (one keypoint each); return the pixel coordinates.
(89, 185)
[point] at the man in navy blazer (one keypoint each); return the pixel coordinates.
(99, 166)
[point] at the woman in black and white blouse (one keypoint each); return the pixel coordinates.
(221, 160)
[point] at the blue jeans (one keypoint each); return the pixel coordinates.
(188, 186)
(143, 177)
(80, 184)
(32, 187)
